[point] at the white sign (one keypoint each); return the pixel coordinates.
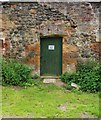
(51, 47)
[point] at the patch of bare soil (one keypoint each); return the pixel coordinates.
(86, 115)
(17, 87)
(63, 107)
(59, 83)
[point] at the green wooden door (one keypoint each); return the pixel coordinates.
(51, 56)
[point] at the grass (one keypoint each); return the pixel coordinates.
(44, 101)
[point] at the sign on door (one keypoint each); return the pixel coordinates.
(51, 47)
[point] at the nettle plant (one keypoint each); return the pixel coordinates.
(15, 73)
(87, 76)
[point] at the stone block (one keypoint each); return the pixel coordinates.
(32, 11)
(49, 80)
(69, 48)
(96, 47)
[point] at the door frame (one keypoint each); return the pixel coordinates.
(54, 36)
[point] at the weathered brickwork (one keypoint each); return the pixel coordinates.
(24, 23)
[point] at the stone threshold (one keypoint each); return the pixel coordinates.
(50, 77)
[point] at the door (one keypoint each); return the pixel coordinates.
(51, 56)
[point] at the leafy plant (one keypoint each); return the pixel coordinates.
(35, 76)
(87, 76)
(15, 73)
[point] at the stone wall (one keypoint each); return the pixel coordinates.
(24, 23)
(87, 17)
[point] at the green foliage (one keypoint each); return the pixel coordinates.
(15, 73)
(35, 76)
(87, 76)
(67, 77)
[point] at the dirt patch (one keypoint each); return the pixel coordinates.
(59, 83)
(86, 115)
(17, 87)
(63, 107)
